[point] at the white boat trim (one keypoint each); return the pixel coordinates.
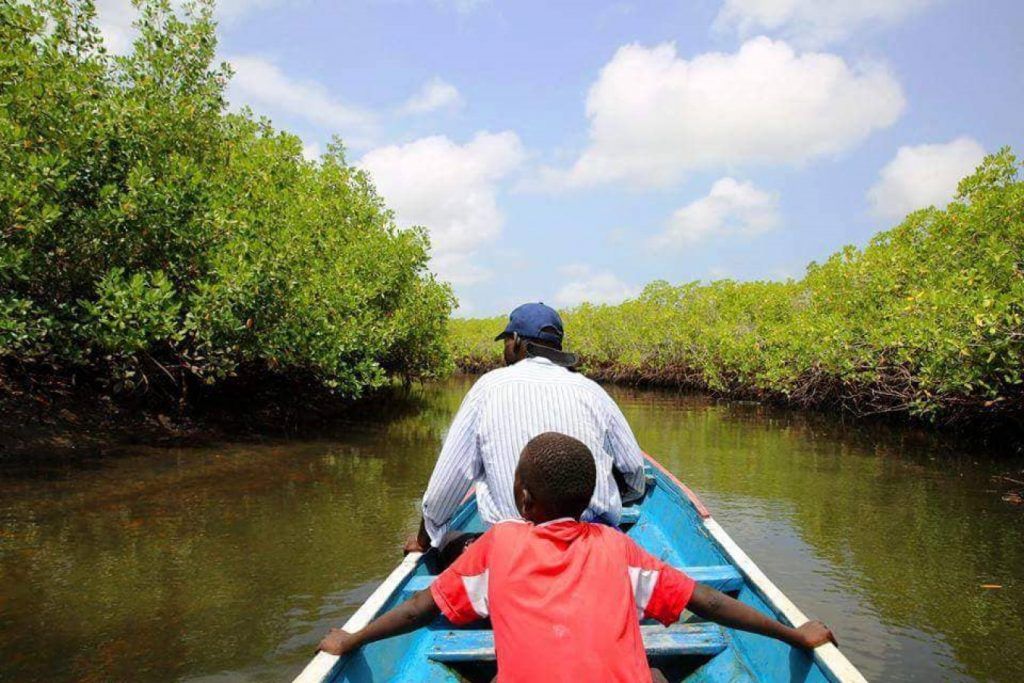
(323, 664)
(833, 662)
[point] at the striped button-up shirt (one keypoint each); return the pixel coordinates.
(502, 411)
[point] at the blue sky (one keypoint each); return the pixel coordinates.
(568, 151)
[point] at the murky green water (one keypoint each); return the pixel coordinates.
(228, 563)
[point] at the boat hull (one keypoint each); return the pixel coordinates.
(670, 522)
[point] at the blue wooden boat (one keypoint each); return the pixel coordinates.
(671, 523)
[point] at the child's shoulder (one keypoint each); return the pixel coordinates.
(611, 536)
(604, 529)
(509, 527)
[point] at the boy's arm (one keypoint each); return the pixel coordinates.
(718, 607)
(417, 611)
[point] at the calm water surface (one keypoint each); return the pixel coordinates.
(228, 563)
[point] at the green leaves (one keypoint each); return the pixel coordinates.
(928, 319)
(150, 234)
(130, 314)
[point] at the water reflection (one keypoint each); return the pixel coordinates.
(886, 534)
(229, 562)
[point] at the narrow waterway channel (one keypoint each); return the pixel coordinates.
(228, 562)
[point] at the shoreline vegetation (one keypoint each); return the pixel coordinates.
(925, 323)
(163, 251)
(169, 269)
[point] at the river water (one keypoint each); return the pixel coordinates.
(229, 562)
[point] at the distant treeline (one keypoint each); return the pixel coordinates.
(158, 242)
(927, 320)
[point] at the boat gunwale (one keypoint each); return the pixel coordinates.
(692, 497)
(322, 666)
(828, 657)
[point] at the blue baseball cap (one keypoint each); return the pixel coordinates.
(534, 321)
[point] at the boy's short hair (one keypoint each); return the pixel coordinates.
(559, 472)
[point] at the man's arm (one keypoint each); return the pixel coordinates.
(713, 605)
(456, 470)
(417, 611)
(628, 459)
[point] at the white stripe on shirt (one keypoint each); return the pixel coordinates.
(506, 408)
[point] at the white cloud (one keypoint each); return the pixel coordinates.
(435, 94)
(115, 17)
(923, 175)
(458, 268)
(311, 151)
(731, 209)
(263, 85)
(654, 116)
(592, 286)
(813, 22)
(451, 190)
(257, 82)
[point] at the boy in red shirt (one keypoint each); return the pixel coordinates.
(565, 597)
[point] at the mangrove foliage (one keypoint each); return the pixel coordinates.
(158, 240)
(926, 320)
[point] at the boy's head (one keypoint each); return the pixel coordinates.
(555, 478)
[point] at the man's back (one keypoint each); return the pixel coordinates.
(560, 588)
(501, 413)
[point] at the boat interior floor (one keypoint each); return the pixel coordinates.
(675, 669)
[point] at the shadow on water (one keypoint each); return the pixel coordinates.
(229, 562)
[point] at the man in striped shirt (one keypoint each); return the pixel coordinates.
(537, 392)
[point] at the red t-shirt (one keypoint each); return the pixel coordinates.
(565, 599)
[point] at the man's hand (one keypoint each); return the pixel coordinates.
(338, 642)
(812, 634)
(414, 545)
(418, 542)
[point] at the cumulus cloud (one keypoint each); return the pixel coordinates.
(115, 18)
(812, 22)
(435, 94)
(257, 82)
(589, 285)
(450, 189)
(262, 85)
(654, 116)
(923, 175)
(458, 268)
(731, 209)
(311, 151)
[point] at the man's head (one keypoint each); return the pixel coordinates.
(535, 330)
(555, 478)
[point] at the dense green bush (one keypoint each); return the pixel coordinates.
(928, 319)
(150, 235)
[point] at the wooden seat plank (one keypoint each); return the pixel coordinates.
(677, 640)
